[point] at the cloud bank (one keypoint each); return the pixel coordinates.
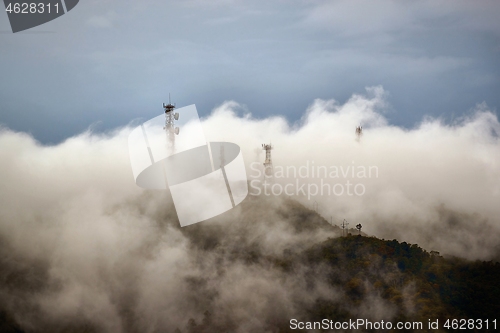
(82, 246)
(428, 184)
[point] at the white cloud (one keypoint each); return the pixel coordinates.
(108, 252)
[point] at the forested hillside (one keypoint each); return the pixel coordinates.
(269, 261)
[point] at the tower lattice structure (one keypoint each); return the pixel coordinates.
(170, 118)
(268, 164)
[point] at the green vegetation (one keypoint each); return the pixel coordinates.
(400, 281)
(419, 284)
(270, 262)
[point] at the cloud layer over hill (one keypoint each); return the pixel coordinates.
(82, 246)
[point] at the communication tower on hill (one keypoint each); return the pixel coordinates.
(344, 226)
(268, 164)
(359, 226)
(170, 118)
(359, 132)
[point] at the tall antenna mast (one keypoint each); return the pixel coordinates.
(170, 118)
(268, 164)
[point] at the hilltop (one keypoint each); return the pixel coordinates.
(252, 269)
(359, 276)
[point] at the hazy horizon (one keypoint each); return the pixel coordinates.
(106, 63)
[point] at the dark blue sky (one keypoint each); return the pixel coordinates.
(106, 63)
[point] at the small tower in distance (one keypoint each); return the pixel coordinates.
(359, 132)
(344, 226)
(359, 226)
(268, 164)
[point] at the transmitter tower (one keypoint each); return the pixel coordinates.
(268, 164)
(170, 118)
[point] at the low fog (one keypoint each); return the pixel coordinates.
(437, 184)
(83, 248)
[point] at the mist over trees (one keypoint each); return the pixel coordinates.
(240, 277)
(83, 249)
